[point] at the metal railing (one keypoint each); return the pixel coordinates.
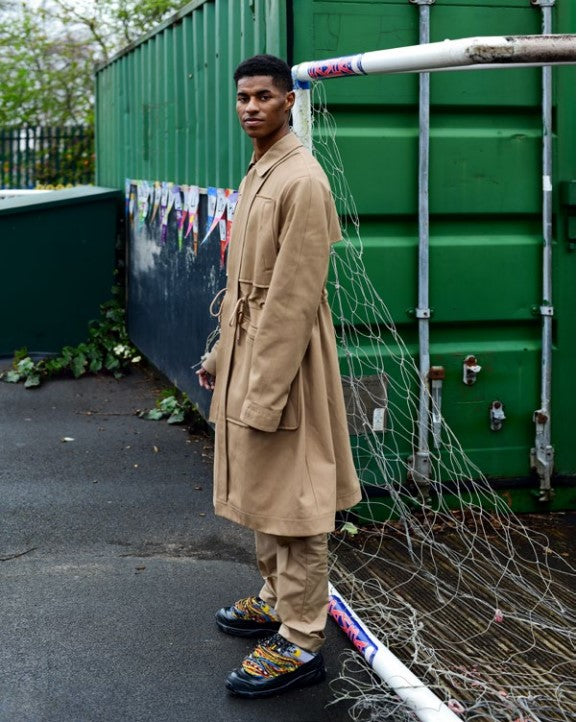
(46, 155)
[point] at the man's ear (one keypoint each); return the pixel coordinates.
(290, 100)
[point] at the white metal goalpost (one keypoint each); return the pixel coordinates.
(476, 53)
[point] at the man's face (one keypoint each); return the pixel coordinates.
(263, 109)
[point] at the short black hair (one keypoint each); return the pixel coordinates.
(266, 65)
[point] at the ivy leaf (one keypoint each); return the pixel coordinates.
(349, 528)
(78, 364)
(177, 417)
(111, 362)
(25, 366)
(169, 405)
(95, 365)
(31, 381)
(153, 415)
(12, 377)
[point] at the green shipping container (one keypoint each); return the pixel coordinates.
(165, 112)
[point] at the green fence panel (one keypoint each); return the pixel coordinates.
(58, 261)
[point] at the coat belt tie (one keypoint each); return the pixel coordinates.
(218, 299)
(238, 315)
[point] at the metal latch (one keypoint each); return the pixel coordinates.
(437, 375)
(542, 455)
(497, 415)
(471, 369)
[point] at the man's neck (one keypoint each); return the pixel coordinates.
(260, 149)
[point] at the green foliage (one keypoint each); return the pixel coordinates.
(107, 349)
(66, 158)
(176, 408)
(49, 51)
(349, 529)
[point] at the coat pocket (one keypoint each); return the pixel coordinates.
(239, 382)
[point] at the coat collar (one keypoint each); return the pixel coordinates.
(276, 153)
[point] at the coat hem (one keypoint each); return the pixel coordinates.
(348, 500)
(282, 527)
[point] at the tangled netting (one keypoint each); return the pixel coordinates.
(478, 606)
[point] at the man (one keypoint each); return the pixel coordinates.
(283, 463)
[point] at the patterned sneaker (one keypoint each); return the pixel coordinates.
(274, 666)
(251, 617)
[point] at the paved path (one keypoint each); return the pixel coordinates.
(113, 565)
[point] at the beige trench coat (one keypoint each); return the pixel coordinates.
(283, 462)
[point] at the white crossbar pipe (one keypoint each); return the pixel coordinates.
(481, 52)
(419, 698)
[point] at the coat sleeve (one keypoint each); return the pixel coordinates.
(209, 360)
(309, 225)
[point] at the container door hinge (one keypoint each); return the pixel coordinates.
(542, 456)
(546, 309)
(420, 312)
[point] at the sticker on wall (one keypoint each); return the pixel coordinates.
(192, 207)
(212, 195)
(128, 196)
(156, 199)
(217, 214)
(143, 198)
(232, 197)
(167, 200)
(179, 212)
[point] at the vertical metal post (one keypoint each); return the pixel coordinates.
(421, 466)
(542, 455)
(301, 116)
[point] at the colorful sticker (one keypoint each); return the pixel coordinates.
(232, 197)
(167, 200)
(192, 207)
(212, 194)
(143, 193)
(337, 67)
(156, 199)
(352, 629)
(179, 212)
(217, 206)
(131, 203)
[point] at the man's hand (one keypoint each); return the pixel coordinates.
(206, 380)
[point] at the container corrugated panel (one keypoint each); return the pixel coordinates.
(485, 204)
(165, 105)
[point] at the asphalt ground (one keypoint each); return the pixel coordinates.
(112, 565)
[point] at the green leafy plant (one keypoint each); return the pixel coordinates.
(108, 349)
(350, 529)
(176, 408)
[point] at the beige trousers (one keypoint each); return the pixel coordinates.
(294, 570)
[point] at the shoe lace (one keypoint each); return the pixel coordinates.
(255, 608)
(270, 658)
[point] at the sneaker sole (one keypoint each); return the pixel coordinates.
(262, 631)
(313, 677)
